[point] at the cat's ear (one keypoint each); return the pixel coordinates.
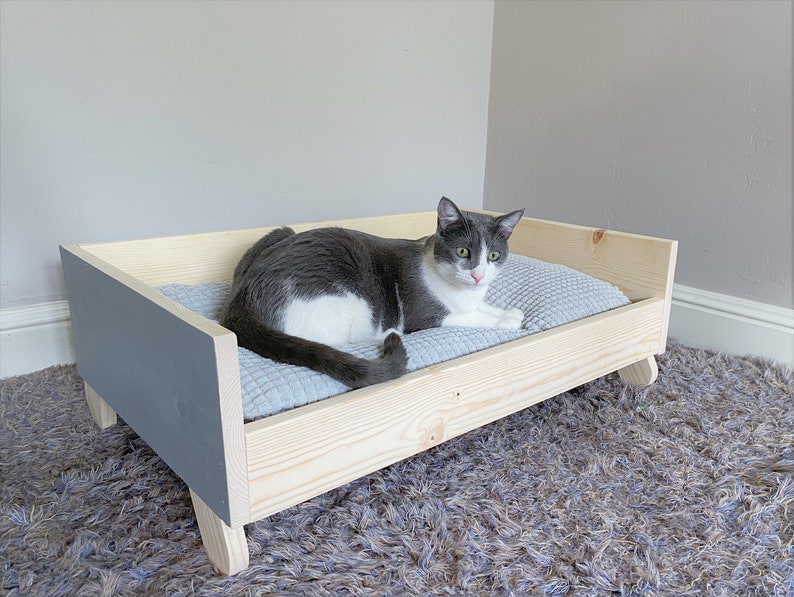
(508, 222)
(448, 214)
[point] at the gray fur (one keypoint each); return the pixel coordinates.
(387, 273)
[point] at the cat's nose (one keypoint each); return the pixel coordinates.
(477, 277)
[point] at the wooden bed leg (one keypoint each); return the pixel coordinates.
(226, 547)
(103, 415)
(641, 373)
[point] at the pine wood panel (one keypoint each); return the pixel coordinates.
(296, 455)
(641, 266)
(212, 256)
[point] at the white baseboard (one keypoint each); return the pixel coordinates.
(728, 324)
(35, 337)
(38, 336)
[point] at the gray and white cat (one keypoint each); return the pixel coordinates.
(296, 296)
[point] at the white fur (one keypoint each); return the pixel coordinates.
(458, 291)
(345, 319)
(332, 320)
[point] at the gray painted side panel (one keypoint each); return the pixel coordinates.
(158, 373)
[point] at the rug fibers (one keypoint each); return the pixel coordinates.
(682, 488)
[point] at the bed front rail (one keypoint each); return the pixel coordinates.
(298, 454)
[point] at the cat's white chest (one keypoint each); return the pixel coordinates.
(465, 302)
(456, 297)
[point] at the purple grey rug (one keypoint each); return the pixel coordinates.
(682, 488)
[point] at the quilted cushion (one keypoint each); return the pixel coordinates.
(548, 294)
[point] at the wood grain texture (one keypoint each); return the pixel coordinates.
(104, 416)
(640, 266)
(641, 373)
(227, 548)
(194, 258)
(301, 453)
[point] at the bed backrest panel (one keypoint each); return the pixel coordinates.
(195, 258)
(172, 375)
(642, 267)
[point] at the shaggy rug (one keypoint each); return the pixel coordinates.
(682, 488)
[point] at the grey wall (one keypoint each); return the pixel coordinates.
(664, 118)
(137, 119)
(125, 120)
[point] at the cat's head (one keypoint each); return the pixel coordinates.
(470, 248)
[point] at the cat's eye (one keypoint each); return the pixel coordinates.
(462, 252)
(494, 255)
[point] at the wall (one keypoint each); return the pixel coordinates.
(665, 118)
(136, 119)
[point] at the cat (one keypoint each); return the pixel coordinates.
(296, 296)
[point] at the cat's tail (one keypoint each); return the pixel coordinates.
(351, 370)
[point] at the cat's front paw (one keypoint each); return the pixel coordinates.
(511, 319)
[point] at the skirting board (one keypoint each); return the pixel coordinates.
(35, 337)
(728, 324)
(38, 336)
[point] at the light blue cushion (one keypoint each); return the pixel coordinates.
(548, 294)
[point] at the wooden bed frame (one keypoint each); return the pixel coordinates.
(173, 375)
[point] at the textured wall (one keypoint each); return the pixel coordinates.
(137, 119)
(664, 118)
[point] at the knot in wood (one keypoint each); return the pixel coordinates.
(434, 435)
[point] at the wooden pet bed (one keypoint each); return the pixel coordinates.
(173, 375)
